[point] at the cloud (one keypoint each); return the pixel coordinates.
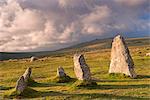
(27, 25)
(132, 2)
(94, 21)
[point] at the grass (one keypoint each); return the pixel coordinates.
(64, 79)
(118, 76)
(98, 61)
(31, 82)
(83, 84)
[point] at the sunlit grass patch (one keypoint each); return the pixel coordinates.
(98, 61)
(27, 93)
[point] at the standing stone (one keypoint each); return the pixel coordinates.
(21, 85)
(61, 72)
(81, 69)
(147, 54)
(121, 61)
(33, 59)
(27, 74)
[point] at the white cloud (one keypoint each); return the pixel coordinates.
(94, 21)
(28, 20)
(27, 25)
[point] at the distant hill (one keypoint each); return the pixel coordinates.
(97, 44)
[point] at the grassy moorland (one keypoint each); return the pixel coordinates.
(98, 59)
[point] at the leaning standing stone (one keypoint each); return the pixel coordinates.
(81, 69)
(21, 85)
(121, 60)
(27, 74)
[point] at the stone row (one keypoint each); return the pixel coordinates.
(121, 62)
(23, 81)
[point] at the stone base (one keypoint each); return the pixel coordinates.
(81, 84)
(118, 76)
(64, 79)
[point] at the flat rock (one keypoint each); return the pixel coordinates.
(121, 60)
(81, 69)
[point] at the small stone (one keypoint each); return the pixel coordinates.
(147, 54)
(21, 85)
(27, 74)
(61, 76)
(81, 69)
(61, 72)
(121, 60)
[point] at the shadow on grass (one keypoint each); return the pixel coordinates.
(5, 88)
(103, 96)
(46, 84)
(51, 93)
(139, 78)
(119, 80)
(89, 96)
(105, 87)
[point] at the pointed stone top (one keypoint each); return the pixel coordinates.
(121, 60)
(118, 37)
(80, 58)
(78, 55)
(60, 72)
(29, 69)
(60, 67)
(27, 74)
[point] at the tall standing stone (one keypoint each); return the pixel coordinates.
(60, 72)
(81, 69)
(21, 85)
(27, 74)
(121, 60)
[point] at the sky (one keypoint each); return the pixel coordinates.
(42, 25)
